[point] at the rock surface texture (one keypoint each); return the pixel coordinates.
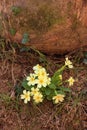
(51, 26)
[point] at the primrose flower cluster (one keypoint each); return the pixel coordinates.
(38, 79)
(39, 85)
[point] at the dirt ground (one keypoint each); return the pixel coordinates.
(15, 115)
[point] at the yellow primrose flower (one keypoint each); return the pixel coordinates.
(48, 80)
(60, 76)
(31, 80)
(68, 63)
(41, 81)
(58, 98)
(25, 96)
(37, 67)
(71, 81)
(41, 72)
(34, 91)
(38, 97)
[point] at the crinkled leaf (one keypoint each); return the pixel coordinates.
(52, 93)
(52, 86)
(47, 91)
(25, 85)
(56, 80)
(64, 89)
(42, 88)
(60, 92)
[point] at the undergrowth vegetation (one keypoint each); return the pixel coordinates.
(53, 89)
(39, 85)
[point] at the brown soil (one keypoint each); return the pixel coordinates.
(15, 115)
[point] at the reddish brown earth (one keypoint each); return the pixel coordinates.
(14, 115)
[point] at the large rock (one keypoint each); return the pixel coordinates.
(51, 26)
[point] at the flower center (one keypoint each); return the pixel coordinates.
(41, 81)
(32, 79)
(26, 96)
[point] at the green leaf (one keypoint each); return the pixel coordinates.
(58, 72)
(16, 10)
(49, 98)
(50, 94)
(56, 79)
(25, 38)
(12, 31)
(42, 89)
(25, 85)
(47, 91)
(64, 89)
(60, 92)
(18, 90)
(52, 86)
